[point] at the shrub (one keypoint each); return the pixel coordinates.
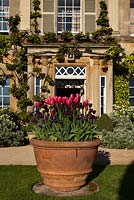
(34, 39)
(105, 122)
(10, 131)
(79, 37)
(50, 37)
(122, 136)
(66, 36)
(124, 110)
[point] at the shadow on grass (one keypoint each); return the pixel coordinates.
(102, 160)
(126, 190)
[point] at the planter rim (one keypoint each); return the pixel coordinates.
(67, 144)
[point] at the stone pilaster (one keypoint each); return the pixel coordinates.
(124, 17)
(94, 84)
(113, 14)
(30, 93)
(109, 88)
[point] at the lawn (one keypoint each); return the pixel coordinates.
(115, 182)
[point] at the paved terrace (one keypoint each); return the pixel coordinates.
(24, 155)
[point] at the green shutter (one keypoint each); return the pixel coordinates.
(48, 23)
(48, 6)
(89, 5)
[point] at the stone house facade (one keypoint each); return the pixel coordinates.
(87, 73)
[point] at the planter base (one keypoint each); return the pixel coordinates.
(91, 187)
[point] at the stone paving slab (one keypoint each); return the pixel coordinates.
(24, 155)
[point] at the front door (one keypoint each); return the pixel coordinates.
(67, 87)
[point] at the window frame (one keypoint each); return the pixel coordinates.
(131, 87)
(2, 95)
(66, 16)
(37, 86)
(103, 104)
(4, 13)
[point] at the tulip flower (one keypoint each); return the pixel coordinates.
(37, 104)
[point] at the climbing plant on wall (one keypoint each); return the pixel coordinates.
(15, 52)
(123, 69)
(35, 16)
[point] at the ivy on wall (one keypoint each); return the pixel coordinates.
(121, 92)
(123, 69)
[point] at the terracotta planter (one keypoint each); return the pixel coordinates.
(65, 166)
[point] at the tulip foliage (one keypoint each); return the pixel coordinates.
(64, 119)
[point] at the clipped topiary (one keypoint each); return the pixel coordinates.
(104, 122)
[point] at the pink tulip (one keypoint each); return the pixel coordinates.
(78, 95)
(64, 99)
(71, 97)
(46, 101)
(86, 108)
(55, 99)
(68, 102)
(59, 99)
(51, 102)
(37, 104)
(76, 100)
(85, 102)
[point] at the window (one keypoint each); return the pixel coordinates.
(5, 94)
(37, 85)
(131, 91)
(69, 16)
(102, 94)
(4, 14)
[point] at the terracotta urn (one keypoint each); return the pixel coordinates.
(65, 166)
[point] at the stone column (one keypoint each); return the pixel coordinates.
(88, 88)
(94, 84)
(30, 93)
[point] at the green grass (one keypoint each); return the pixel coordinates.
(115, 182)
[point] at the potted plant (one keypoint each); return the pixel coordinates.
(66, 141)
